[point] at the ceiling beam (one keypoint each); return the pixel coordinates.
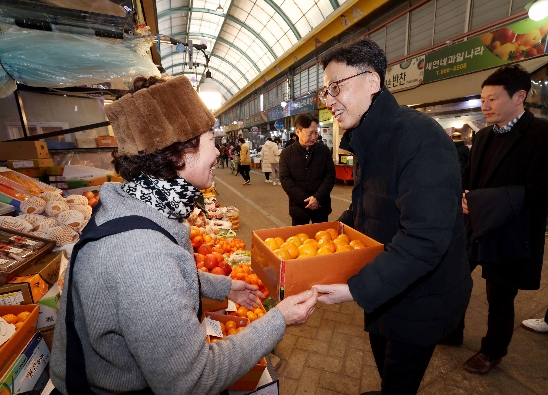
(286, 19)
(229, 17)
(221, 40)
(217, 56)
(148, 8)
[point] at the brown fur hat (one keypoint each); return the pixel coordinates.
(154, 118)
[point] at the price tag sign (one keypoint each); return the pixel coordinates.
(231, 306)
(6, 331)
(213, 328)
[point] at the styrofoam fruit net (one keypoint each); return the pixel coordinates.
(85, 210)
(63, 235)
(33, 219)
(47, 196)
(55, 207)
(72, 218)
(45, 225)
(15, 223)
(77, 199)
(43, 235)
(33, 205)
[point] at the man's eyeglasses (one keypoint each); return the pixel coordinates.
(309, 134)
(333, 89)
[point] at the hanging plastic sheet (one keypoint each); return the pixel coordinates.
(56, 60)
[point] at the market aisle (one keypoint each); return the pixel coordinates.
(330, 354)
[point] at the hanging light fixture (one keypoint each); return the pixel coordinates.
(220, 8)
(538, 10)
(210, 92)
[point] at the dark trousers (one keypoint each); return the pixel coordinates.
(267, 175)
(313, 216)
(401, 366)
(500, 320)
(244, 171)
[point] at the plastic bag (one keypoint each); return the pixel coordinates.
(55, 59)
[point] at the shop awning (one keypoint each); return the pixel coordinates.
(454, 88)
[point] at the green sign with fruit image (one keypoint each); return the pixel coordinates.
(512, 43)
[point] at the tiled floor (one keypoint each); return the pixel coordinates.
(330, 353)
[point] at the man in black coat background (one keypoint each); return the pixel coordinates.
(407, 195)
(307, 174)
(506, 195)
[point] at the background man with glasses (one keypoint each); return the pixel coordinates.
(407, 195)
(307, 174)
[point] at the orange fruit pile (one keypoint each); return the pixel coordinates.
(243, 272)
(229, 328)
(251, 315)
(302, 246)
(225, 246)
(16, 320)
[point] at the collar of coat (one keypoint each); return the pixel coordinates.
(374, 120)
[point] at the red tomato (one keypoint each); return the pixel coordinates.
(199, 265)
(218, 270)
(198, 258)
(226, 268)
(204, 249)
(204, 269)
(211, 261)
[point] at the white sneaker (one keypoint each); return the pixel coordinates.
(266, 181)
(535, 325)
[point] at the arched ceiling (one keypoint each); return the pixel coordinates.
(242, 41)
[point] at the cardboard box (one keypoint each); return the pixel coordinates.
(10, 350)
(24, 150)
(29, 163)
(24, 373)
(267, 385)
(47, 267)
(55, 170)
(47, 333)
(86, 142)
(213, 305)
(250, 380)
(292, 276)
(47, 318)
(106, 141)
(60, 185)
(57, 179)
(38, 287)
(35, 172)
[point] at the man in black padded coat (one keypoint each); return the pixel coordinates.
(307, 174)
(407, 195)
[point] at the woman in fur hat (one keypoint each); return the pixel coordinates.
(136, 294)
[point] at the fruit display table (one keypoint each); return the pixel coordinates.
(344, 173)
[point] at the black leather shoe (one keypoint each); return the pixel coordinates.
(480, 363)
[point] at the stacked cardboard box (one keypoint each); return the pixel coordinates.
(30, 158)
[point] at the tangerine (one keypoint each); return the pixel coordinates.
(327, 243)
(22, 316)
(18, 325)
(344, 236)
(279, 240)
(322, 234)
(302, 236)
(258, 311)
(295, 240)
(357, 244)
(240, 329)
(291, 248)
(308, 249)
(302, 256)
(251, 316)
(311, 241)
(10, 318)
(282, 253)
(242, 311)
(344, 247)
(332, 232)
(339, 242)
(230, 324)
(324, 250)
(271, 243)
(232, 331)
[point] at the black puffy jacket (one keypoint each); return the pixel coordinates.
(302, 178)
(407, 195)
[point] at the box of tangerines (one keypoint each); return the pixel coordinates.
(292, 259)
(227, 325)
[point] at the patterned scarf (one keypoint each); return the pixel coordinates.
(174, 198)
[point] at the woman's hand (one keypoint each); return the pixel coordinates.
(245, 294)
(334, 293)
(297, 308)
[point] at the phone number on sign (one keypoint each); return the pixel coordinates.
(450, 69)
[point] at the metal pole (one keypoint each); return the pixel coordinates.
(22, 115)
